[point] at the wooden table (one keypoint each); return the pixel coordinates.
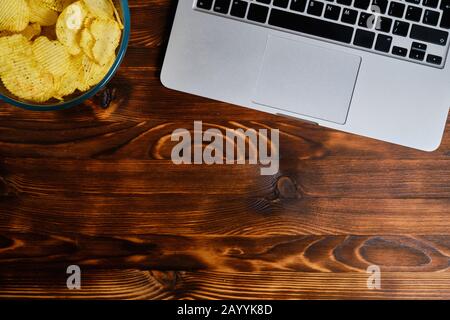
(94, 186)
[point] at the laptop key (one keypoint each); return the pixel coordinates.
(417, 54)
(383, 43)
(258, 13)
(399, 51)
(205, 4)
(332, 12)
(430, 3)
(383, 24)
(445, 20)
(361, 4)
(401, 28)
(298, 5)
(379, 6)
(431, 17)
(239, 9)
(429, 35)
(345, 2)
(366, 20)
(309, 25)
(431, 58)
(445, 4)
(222, 6)
(349, 16)
(413, 1)
(396, 9)
(413, 13)
(315, 8)
(364, 38)
(281, 3)
(419, 46)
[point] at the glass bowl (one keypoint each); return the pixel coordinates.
(78, 98)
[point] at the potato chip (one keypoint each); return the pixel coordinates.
(87, 42)
(88, 21)
(107, 38)
(100, 8)
(117, 15)
(92, 73)
(68, 26)
(41, 14)
(31, 31)
(29, 83)
(14, 50)
(20, 72)
(68, 83)
(14, 15)
(57, 5)
(51, 55)
(12, 43)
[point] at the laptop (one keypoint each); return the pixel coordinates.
(376, 68)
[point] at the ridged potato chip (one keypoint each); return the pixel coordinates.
(68, 26)
(107, 38)
(100, 8)
(88, 21)
(14, 15)
(68, 83)
(14, 50)
(92, 73)
(41, 14)
(31, 31)
(117, 15)
(87, 42)
(57, 5)
(23, 76)
(52, 56)
(29, 82)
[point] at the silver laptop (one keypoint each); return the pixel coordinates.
(376, 68)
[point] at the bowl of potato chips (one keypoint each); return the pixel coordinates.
(55, 54)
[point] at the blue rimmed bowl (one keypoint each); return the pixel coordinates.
(78, 98)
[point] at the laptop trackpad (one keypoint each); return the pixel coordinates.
(307, 79)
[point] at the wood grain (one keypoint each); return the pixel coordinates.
(95, 186)
(228, 253)
(136, 284)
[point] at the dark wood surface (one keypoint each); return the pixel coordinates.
(96, 187)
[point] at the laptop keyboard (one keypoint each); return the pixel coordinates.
(411, 30)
